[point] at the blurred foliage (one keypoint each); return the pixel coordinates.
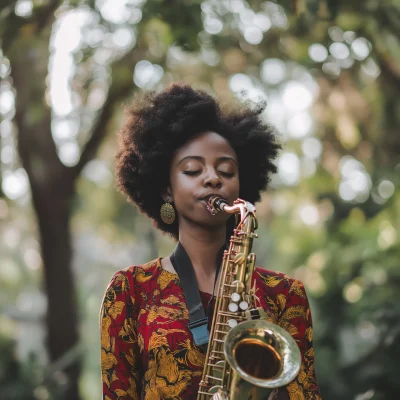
(18, 381)
(332, 221)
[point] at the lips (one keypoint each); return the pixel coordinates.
(207, 197)
(206, 201)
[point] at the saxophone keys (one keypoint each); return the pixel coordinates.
(217, 371)
(232, 323)
(236, 297)
(238, 286)
(221, 394)
(240, 258)
(218, 393)
(233, 307)
(244, 305)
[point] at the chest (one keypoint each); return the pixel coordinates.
(162, 322)
(168, 357)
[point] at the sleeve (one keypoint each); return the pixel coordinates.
(119, 350)
(295, 317)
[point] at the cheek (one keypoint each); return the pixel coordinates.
(183, 189)
(235, 186)
(185, 185)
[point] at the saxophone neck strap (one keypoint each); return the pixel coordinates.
(198, 318)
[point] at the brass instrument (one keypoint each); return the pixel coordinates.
(247, 357)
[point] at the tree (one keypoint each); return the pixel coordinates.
(210, 43)
(26, 45)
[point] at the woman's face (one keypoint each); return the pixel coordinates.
(206, 165)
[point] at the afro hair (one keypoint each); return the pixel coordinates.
(158, 124)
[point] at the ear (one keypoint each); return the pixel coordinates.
(166, 195)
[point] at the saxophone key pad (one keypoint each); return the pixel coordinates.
(236, 297)
(233, 307)
(232, 323)
(244, 305)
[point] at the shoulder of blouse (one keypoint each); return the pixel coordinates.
(149, 267)
(125, 286)
(126, 280)
(276, 282)
(270, 273)
(133, 271)
(274, 276)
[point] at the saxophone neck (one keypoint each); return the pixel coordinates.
(245, 209)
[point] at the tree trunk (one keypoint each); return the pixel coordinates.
(53, 208)
(52, 188)
(52, 183)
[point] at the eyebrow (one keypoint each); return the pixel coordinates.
(202, 159)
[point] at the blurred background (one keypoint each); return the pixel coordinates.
(329, 71)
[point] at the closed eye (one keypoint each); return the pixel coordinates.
(191, 173)
(223, 173)
(227, 174)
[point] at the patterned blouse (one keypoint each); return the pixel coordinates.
(147, 349)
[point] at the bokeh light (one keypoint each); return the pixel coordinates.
(331, 68)
(124, 38)
(115, 11)
(386, 189)
(356, 183)
(212, 25)
(7, 100)
(318, 52)
(361, 48)
(240, 82)
(388, 235)
(63, 129)
(336, 34)
(98, 172)
(15, 183)
(7, 154)
(339, 50)
(289, 168)
(353, 292)
(146, 74)
(296, 96)
(69, 152)
(24, 8)
(312, 148)
(300, 125)
(349, 36)
(371, 68)
(4, 67)
(273, 71)
(253, 35)
(262, 22)
(309, 214)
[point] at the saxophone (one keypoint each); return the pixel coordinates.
(247, 357)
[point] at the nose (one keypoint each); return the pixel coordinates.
(212, 179)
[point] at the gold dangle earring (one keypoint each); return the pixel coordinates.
(167, 213)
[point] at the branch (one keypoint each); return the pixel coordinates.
(388, 18)
(117, 92)
(12, 23)
(390, 69)
(36, 148)
(32, 114)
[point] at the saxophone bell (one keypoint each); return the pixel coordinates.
(262, 357)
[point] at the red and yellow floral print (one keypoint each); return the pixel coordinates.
(147, 350)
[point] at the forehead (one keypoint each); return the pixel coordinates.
(206, 144)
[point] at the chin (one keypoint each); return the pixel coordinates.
(213, 221)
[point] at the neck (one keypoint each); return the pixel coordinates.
(202, 247)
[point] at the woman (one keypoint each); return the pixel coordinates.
(176, 149)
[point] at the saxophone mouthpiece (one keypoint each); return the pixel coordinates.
(216, 204)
